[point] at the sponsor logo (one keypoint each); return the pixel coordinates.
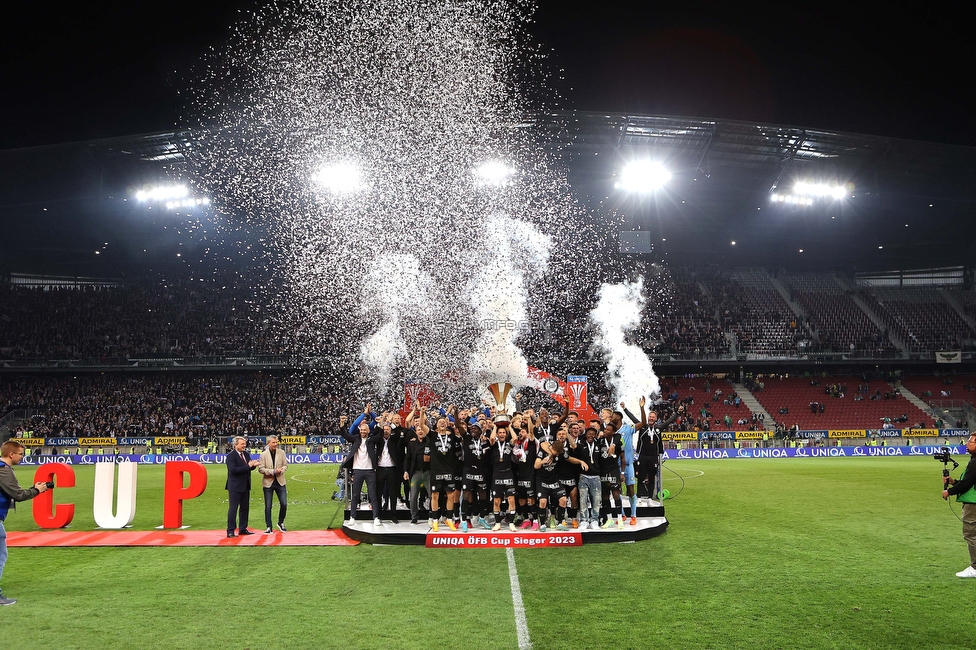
(827, 452)
(135, 441)
(96, 442)
(689, 454)
(749, 435)
(885, 433)
(325, 440)
(716, 435)
(885, 451)
(771, 452)
(679, 435)
(62, 442)
(180, 441)
(949, 432)
(846, 433)
(44, 460)
(812, 435)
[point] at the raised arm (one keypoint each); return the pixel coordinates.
(459, 420)
(674, 416)
(422, 422)
(562, 418)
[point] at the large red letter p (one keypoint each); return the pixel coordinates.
(64, 477)
(174, 494)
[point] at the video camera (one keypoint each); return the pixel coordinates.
(944, 456)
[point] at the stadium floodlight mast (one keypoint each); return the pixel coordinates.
(805, 193)
(494, 173)
(162, 193)
(187, 203)
(642, 177)
(174, 197)
(791, 199)
(339, 178)
(823, 190)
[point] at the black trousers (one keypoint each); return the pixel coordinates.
(387, 485)
(369, 476)
(276, 488)
(240, 502)
(647, 477)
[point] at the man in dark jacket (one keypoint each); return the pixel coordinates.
(11, 453)
(649, 449)
(363, 461)
(389, 455)
(238, 486)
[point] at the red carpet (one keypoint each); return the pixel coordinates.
(176, 538)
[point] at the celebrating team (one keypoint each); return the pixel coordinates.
(532, 472)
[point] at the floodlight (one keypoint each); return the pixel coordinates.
(494, 173)
(339, 178)
(818, 190)
(791, 199)
(187, 203)
(642, 176)
(162, 193)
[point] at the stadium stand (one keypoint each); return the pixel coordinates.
(699, 313)
(151, 317)
(712, 404)
(920, 317)
(848, 402)
(839, 323)
(182, 404)
(957, 387)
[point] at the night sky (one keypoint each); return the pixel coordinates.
(102, 69)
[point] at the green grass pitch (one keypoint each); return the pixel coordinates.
(799, 553)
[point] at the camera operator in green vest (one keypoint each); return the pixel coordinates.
(964, 489)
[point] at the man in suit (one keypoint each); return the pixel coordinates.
(389, 455)
(272, 466)
(239, 468)
(363, 461)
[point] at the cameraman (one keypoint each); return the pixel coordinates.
(11, 453)
(965, 491)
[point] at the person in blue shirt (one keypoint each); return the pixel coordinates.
(628, 435)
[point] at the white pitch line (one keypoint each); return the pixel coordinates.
(675, 478)
(521, 627)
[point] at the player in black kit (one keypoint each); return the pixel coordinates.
(569, 472)
(548, 487)
(524, 450)
(611, 452)
(502, 476)
(474, 486)
(444, 447)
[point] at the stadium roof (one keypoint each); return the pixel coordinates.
(910, 204)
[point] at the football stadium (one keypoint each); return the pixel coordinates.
(375, 334)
